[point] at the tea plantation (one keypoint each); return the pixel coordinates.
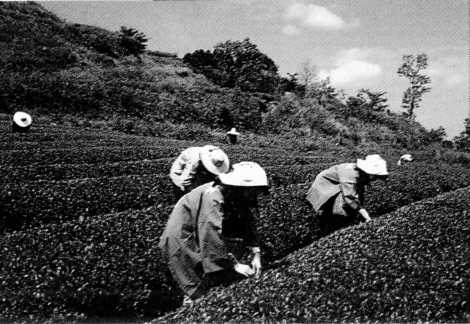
(81, 212)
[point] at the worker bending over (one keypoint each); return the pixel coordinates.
(194, 240)
(337, 194)
(198, 165)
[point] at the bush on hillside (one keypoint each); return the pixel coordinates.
(132, 41)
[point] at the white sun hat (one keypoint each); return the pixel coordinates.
(405, 157)
(214, 159)
(22, 119)
(373, 164)
(245, 174)
(233, 131)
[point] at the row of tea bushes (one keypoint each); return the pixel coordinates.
(45, 201)
(409, 266)
(84, 260)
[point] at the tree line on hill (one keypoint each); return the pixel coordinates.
(60, 68)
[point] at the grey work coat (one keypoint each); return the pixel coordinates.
(193, 239)
(344, 183)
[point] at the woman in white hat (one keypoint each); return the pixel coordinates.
(198, 165)
(21, 121)
(232, 136)
(405, 159)
(194, 240)
(337, 194)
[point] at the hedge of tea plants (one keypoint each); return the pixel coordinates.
(110, 265)
(85, 261)
(410, 266)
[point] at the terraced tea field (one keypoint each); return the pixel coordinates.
(82, 211)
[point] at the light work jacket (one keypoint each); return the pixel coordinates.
(194, 236)
(185, 167)
(342, 180)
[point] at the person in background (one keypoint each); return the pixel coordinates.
(194, 237)
(198, 165)
(21, 122)
(232, 136)
(337, 194)
(405, 159)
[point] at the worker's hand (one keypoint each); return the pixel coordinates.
(244, 269)
(365, 215)
(256, 264)
(186, 182)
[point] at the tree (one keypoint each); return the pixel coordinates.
(237, 64)
(132, 41)
(246, 67)
(412, 68)
(308, 74)
(291, 84)
(462, 141)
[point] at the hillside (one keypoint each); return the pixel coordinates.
(76, 72)
(81, 213)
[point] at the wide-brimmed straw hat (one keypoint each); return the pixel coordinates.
(233, 131)
(22, 119)
(373, 164)
(245, 174)
(214, 159)
(405, 158)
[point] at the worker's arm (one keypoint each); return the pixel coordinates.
(184, 168)
(252, 238)
(212, 247)
(352, 198)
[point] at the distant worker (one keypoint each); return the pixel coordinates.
(337, 194)
(194, 240)
(232, 136)
(198, 165)
(21, 122)
(405, 159)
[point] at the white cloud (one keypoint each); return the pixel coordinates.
(449, 71)
(290, 30)
(352, 68)
(313, 16)
(353, 72)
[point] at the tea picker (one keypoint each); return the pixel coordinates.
(21, 122)
(337, 194)
(198, 165)
(232, 136)
(195, 237)
(405, 159)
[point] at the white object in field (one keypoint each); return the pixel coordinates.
(373, 164)
(245, 174)
(22, 119)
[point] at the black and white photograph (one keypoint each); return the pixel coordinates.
(235, 161)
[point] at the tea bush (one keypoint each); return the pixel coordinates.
(409, 266)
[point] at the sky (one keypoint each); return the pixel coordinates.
(356, 43)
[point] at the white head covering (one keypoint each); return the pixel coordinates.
(22, 119)
(245, 174)
(373, 164)
(233, 131)
(405, 157)
(214, 159)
